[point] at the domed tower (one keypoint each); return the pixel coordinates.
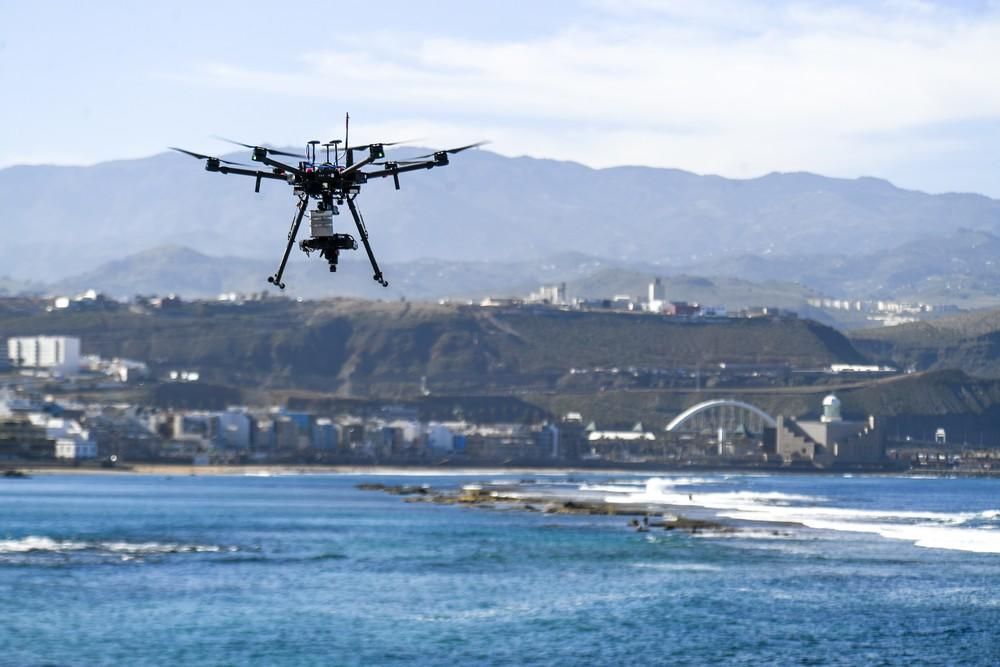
(831, 410)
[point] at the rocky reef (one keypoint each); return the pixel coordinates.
(494, 497)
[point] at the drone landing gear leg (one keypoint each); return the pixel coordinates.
(292, 233)
(368, 247)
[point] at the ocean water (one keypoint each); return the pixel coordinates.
(308, 570)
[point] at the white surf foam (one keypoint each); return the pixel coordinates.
(923, 528)
(156, 547)
(923, 535)
(661, 491)
(678, 567)
(36, 543)
(935, 530)
(612, 488)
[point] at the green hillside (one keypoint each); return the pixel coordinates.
(936, 398)
(969, 342)
(364, 348)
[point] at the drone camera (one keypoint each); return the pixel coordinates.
(329, 247)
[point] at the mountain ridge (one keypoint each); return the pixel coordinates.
(62, 221)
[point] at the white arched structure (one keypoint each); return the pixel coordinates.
(721, 406)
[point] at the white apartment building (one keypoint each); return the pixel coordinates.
(57, 353)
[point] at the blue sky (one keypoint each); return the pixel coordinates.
(902, 89)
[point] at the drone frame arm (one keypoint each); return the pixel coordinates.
(249, 172)
(395, 169)
(260, 155)
(376, 152)
(292, 233)
(364, 239)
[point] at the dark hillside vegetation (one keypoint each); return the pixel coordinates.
(364, 348)
(969, 342)
(912, 403)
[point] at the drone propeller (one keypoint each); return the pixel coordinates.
(272, 151)
(399, 163)
(365, 147)
(450, 151)
(205, 157)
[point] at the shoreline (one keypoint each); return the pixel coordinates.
(265, 470)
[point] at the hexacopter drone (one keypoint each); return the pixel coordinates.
(331, 184)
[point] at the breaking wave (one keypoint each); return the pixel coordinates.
(42, 544)
(960, 531)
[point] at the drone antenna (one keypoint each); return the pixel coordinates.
(347, 128)
(336, 153)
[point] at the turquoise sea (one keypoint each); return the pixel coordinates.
(308, 570)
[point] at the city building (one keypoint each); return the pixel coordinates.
(21, 439)
(71, 440)
(655, 300)
(830, 440)
(59, 354)
(497, 302)
(235, 428)
(681, 309)
(77, 450)
(551, 294)
(325, 435)
(440, 438)
(617, 445)
(89, 300)
(126, 370)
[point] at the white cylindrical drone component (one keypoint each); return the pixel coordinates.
(321, 223)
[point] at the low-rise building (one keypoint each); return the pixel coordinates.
(681, 309)
(22, 439)
(77, 450)
(72, 441)
(831, 440)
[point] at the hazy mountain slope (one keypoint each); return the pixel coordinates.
(60, 221)
(179, 270)
(184, 271)
(961, 268)
(712, 291)
(10, 287)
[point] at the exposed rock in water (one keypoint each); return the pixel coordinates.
(397, 490)
(491, 498)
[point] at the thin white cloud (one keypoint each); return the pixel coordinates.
(726, 87)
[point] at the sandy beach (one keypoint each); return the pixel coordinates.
(274, 470)
(263, 470)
